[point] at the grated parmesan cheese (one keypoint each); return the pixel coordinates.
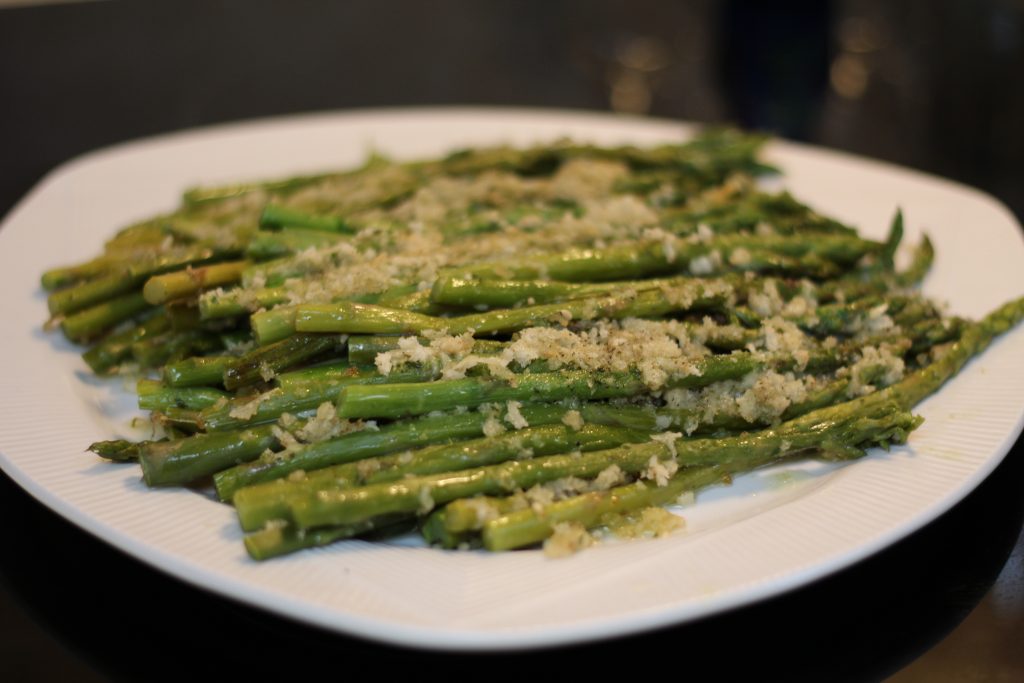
(768, 396)
(609, 477)
(247, 409)
(669, 439)
(567, 538)
(874, 358)
(492, 426)
(659, 471)
(573, 420)
(483, 510)
(768, 301)
(324, 425)
(426, 501)
(513, 416)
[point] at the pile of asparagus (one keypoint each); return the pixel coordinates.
(505, 346)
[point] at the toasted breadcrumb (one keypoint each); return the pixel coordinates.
(567, 538)
(573, 420)
(659, 471)
(513, 416)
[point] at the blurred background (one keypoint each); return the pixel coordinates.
(935, 85)
(931, 84)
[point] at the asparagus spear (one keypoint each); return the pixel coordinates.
(256, 505)
(91, 322)
(280, 539)
(368, 319)
(116, 348)
(390, 438)
(276, 216)
(175, 463)
(155, 396)
(198, 371)
(265, 362)
(188, 282)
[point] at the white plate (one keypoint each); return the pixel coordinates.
(770, 532)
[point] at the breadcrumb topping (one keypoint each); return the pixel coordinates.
(573, 420)
(660, 471)
(874, 361)
(648, 522)
(567, 538)
(657, 349)
(513, 416)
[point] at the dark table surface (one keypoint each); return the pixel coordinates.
(930, 85)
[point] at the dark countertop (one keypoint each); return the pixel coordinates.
(923, 85)
(947, 603)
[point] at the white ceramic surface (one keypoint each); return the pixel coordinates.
(770, 532)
